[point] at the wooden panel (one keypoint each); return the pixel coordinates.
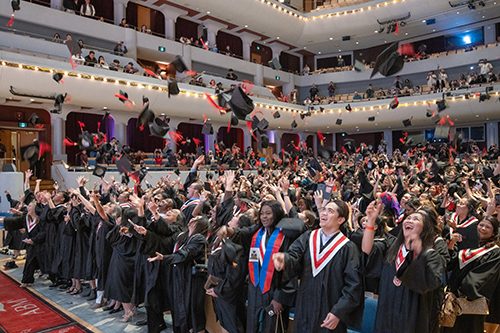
(143, 17)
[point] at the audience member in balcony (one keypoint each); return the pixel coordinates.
(491, 77)
(306, 70)
(369, 93)
(331, 89)
(80, 44)
(408, 84)
(212, 84)
(71, 6)
(313, 91)
(90, 59)
(56, 38)
(78, 59)
(101, 62)
(293, 96)
(123, 23)
(307, 101)
(121, 49)
(87, 9)
(144, 28)
(83, 158)
(130, 69)
(115, 65)
(184, 40)
(231, 75)
(340, 61)
(380, 94)
(158, 157)
(227, 51)
(357, 96)
(398, 83)
(443, 80)
(484, 67)
(432, 81)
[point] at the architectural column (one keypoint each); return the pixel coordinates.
(259, 75)
(212, 30)
(247, 40)
(57, 123)
(174, 124)
(247, 138)
(388, 141)
(210, 138)
(492, 133)
(490, 33)
(119, 10)
(275, 137)
(186, 55)
(171, 14)
(131, 43)
(277, 49)
(334, 142)
(56, 4)
(289, 86)
(120, 132)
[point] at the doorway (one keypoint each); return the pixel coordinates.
(13, 140)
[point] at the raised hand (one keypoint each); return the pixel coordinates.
(28, 173)
(140, 230)
(229, 181)
(279, 261)
(318, 199)
(372, 211)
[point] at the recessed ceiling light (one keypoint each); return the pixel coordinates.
(376, 31)
(319, 52)
(246, 25)
(423, 21)
(385, 41)
(340, 50)
(305, 47)
(433, 30)
(477, 116)
(278, 37)
(208, 12)
(483, 16)
(357, 43)
(331, 38)
(458, 13)
(406, 34)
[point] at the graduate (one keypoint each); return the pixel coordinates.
(463, 225)
(187, 276)
(475, 273)
(35, 237)
(330, 296)
(410, 275)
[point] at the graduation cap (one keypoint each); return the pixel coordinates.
(179, 64)
(348, 107)
(207, 129)
(58, 102)
(338, 122)
(484, 97)
(294, 124)
(325, 153)
(240, 103)
(138, 176)
(145, 100)
(99, 171)
(276, 115)
(350, 145)
(291, 227)
(16, 5)
(388, 62)
(177, 172)
(173, 88)
(234, 120)
(394, 103)
(35, 119)
(159, 127)
(124, 165)
(441, 132)
(372, 118)
(73, 47)
(264, 140)
(107, 147)
(441, 105)
(85, 140)
(57, 77)
(122, 96)
(407, 122)
(358, 66)
(261, 125)
(146, 117)
(30, 152)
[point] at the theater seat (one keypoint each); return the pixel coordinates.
(369, 315)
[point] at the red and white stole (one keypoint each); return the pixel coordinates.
(401, 257)
(467, 256)
(466, 223)
(319, 259)
(30, 223)
(179, 246)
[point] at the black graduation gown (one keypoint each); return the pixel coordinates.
(337, 288)
(91, 222)
(229, 303)
(41, 211)
(283, 293)
(34, 252)
(372, 264)
(408, 308)
(102, 250)
(81, 249)
(63, 252)
(187, 295)
(119, 283)
(470, 237)
(54, 217)
(479, 278)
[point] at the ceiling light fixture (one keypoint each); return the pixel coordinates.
(331, 38)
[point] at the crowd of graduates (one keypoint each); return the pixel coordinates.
(316, 237)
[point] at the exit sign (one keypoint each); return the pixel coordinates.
(161, 48)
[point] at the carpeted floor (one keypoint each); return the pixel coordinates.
(62, 313)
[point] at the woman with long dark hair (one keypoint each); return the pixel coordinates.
(463, 225)
(475, 273)
(330, 295)
(410, 275)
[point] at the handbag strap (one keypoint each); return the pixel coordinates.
(279, 320)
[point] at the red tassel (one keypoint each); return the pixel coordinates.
(450, 121)
(150, 73)
(141, 128)
(442, 121)
(217, 149)
(72, 62)
(81, 124)
(407, 49)
(249, 127)
(205, 45)
(403, 141)
(215, 105)
(196, 141)
(228, 128)
(191, 73)
(396, 30)
(205, 118)
(176, 136)
(68, 142)
(321, 137)
(11, 21)
(343, 150)
(98, 126)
